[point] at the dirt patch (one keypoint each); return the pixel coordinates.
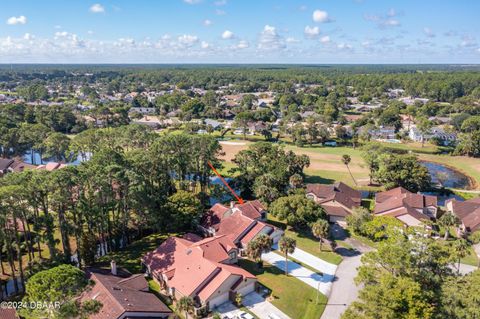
(231, 149)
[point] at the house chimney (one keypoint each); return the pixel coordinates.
(113, 267)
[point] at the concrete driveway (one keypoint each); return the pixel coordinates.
(315, 280)
(312, 261)
(261, 307)
(253, 302)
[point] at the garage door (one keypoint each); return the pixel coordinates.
(247, 289)
(217, 301)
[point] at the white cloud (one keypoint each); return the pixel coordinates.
(311, 32)
(302, 7)
(478, 50)
(90, 32)
(204, 45)
(220, 12)
(291, 40)
(192, 1)
(344, 46)
(428, 32)
(207, 22)
(220, 2)
(28, 36)
(187, 40)
(17, 20)
(227, 35)
(320, 16)
(242, 44)
(325, 39)
(270, 39)
(384, 21)
(97, 8)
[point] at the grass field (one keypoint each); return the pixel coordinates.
(326, 165)
(295, 298)
(308, 243)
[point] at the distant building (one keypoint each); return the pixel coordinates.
(383, 133)
(410, 208)
(468, 212)
(143, 110)
(13, 165)
(434, 133)
(51, 166)
(338, 200)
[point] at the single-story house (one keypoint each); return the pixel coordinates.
(410, 208)
(202, 269)
(123, 296)
(143, 110)
(338, 200)
(51, 166)
(13, 165)
(468, 212)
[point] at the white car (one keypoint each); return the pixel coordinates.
(273, 316)
(245, 315)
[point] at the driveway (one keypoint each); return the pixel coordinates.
(344, 291)
(253, 302)
(312, 261)
(315, 280)
(261, 307)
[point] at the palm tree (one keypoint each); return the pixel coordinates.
(346, 159)
(448, 220)
(462, 249)
(185, 304)
(287, 246)
(320, 230)
(259, 245)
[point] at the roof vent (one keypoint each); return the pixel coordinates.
(189, 251)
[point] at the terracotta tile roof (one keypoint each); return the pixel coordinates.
(256, 230)
(235, 225)
(8, 313)
(251, 209)
(399, 197)
(339, 192)
(335, 210)
(214, 215)
(122, 293)
(179, 258)
(5, 163)
(468, 212)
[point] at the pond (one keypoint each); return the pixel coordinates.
(447, 176)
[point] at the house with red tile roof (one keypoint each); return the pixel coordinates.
(410, 208)
(239, 222)
(8, 313)
(51, 166)
(338, 200)
(123, 295)
(13, 165)
(468, 212)
(204, 270)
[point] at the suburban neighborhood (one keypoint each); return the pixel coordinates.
(220, 159)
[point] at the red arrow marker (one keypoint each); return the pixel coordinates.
(225, 183)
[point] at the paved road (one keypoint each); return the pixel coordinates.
(344, 291)
(315, 280)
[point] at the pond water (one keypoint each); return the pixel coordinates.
(446, 176)
(36, 159)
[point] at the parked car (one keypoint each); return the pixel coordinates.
(245, 315)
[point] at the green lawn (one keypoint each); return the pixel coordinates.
(308, 243)
(129, 258)
(471, 259)
(295, 298)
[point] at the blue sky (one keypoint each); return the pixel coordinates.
(240, 31)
